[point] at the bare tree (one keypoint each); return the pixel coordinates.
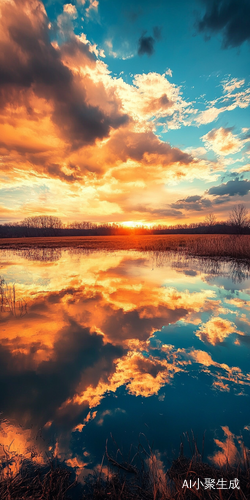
(239, 218)
(42, 221)
(210, 219)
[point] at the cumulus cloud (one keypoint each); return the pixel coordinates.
(31, 63)
(70, 9)
(66, 100)
(152, 95)
(65, 119)
(222, 141)
(228, 17)
(216, 330)
(231, 188)
(196, 203)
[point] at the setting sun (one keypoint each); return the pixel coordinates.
(132, 224)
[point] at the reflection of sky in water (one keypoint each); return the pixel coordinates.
(124, 340)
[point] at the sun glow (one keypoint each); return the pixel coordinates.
(133, 224)
(130, 223)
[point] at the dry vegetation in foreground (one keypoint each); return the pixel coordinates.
(214, 246)
(124, 480)
(8, 300)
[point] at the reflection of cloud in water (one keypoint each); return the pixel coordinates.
(216, 330)
(17, 444)
(34, 391)
(88, 332)
(236, 271)
(229, 454)
(143, 376)
(218, 384)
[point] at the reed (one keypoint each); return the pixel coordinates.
(220, 246)
(213, 246)
(141, 478)
(8, 300)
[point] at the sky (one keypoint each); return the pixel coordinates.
(127, 112)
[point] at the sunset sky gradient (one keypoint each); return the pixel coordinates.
(124, 111)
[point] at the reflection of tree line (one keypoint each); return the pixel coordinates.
(40, 254)
(50, 254)
(236, 270)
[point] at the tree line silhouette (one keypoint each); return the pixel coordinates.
(47, 225)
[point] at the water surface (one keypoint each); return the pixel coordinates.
(124, 342)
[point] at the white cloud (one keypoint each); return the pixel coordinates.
(230, 84)
(70, 9)
(222, 141)
(209, 115)
(230, 101)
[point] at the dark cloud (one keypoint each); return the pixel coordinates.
(80, 358)
(144, 145)
(219, 200)
(28, 62)
(132, 324)
(230, 17)
(192, 199)
(146, 45)
(55, 171)
(231, 188)
(157, 212)
(195, 202)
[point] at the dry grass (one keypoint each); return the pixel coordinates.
(223, 246)
(8, 300)
(141, 478)
(37, 484)
(128, 242)
(215, 246)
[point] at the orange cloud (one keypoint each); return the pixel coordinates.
(229, 453)
(17, 444)
(91, 329)
(142, 376)
(222, 141)
(65, 121)
(216, 330)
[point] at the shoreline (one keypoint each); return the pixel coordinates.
(214, 246)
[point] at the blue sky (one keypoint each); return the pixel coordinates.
(116, 111)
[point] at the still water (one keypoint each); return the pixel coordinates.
(145, 346)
